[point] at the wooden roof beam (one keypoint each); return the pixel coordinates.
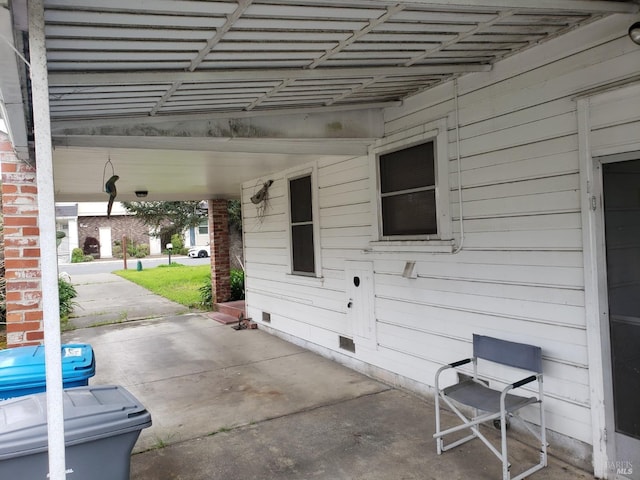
(543, 6)
(80, 79)
(71, 124)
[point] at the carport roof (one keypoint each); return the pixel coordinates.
(135, 58)
(114, 59)
(120, 68)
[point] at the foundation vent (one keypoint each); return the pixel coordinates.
(347, 344)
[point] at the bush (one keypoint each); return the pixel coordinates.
(237, 285)
(66, 293)
(142, 250)
(77, 255)
(237, 289)
(206, 295)
(176, 241)
(116, 250)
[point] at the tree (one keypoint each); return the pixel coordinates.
(167, 218)
(235, 215)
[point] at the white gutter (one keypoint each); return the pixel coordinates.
(47, 225)
(11, 103)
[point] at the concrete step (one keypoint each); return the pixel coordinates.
(223, 318)
(232, 308)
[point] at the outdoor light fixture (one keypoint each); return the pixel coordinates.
(634, 33)
(141, 193)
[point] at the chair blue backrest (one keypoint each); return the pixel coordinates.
(519, 355)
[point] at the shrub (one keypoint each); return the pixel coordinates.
(237, 284)
(142, 250)
(77, 255)
(178, 245)
(206, 295)
(176, 241)
(237, 289)
(117, 251)
(88, 258)
(66, 293)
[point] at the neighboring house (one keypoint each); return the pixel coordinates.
(478, 213)
(67, 223)
(199, 236)
(86, 226)
(91, 230)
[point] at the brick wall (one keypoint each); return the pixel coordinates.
(219, 234)
(22, 249)
(120, 225)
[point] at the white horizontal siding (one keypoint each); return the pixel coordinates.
(520, 273)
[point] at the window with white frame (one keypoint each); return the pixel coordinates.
(302, 225)
(203, 228)
(413, 190)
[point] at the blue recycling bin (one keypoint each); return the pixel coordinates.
(22, 370)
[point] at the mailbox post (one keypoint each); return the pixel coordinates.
(169, 249)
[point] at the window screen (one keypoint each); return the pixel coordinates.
(408, 191)
(302, 248)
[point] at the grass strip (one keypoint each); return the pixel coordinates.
(176, 282)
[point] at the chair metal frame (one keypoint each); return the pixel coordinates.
(496, 404)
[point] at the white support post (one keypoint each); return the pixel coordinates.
(48, 254)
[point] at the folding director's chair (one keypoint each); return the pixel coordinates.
(491, 405)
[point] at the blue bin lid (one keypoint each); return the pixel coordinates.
(24, 367)
(90, 413)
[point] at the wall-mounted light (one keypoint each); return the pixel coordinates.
(634, 33)
(141, 193)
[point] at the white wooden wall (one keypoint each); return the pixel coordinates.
(520, 273)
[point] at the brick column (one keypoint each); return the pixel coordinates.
(22, 249)
(219, 243)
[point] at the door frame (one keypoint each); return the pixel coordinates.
(595, 288)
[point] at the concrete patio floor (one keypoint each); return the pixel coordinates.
(247, 405)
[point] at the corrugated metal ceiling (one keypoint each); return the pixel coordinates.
(137, 58)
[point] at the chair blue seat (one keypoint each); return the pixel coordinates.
(476, 395)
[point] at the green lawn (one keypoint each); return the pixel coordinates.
(179, 283)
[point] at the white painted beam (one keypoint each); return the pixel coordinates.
(220, 33)
(48, 248)
(135, 78)
(552, 6)
(298, 146)
(139, 120)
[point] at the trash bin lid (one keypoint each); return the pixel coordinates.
(90, 413)
(24, 367)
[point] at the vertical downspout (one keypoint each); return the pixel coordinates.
(47, 225)
(458, 158)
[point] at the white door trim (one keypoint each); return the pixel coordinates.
(597, 334)
(595, 278)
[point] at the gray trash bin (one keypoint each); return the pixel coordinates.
(102, 424)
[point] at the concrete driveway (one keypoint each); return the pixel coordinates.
(247, 405)
(108, 298)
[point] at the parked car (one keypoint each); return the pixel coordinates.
(200, 252)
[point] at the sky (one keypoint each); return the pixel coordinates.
(2, 126)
